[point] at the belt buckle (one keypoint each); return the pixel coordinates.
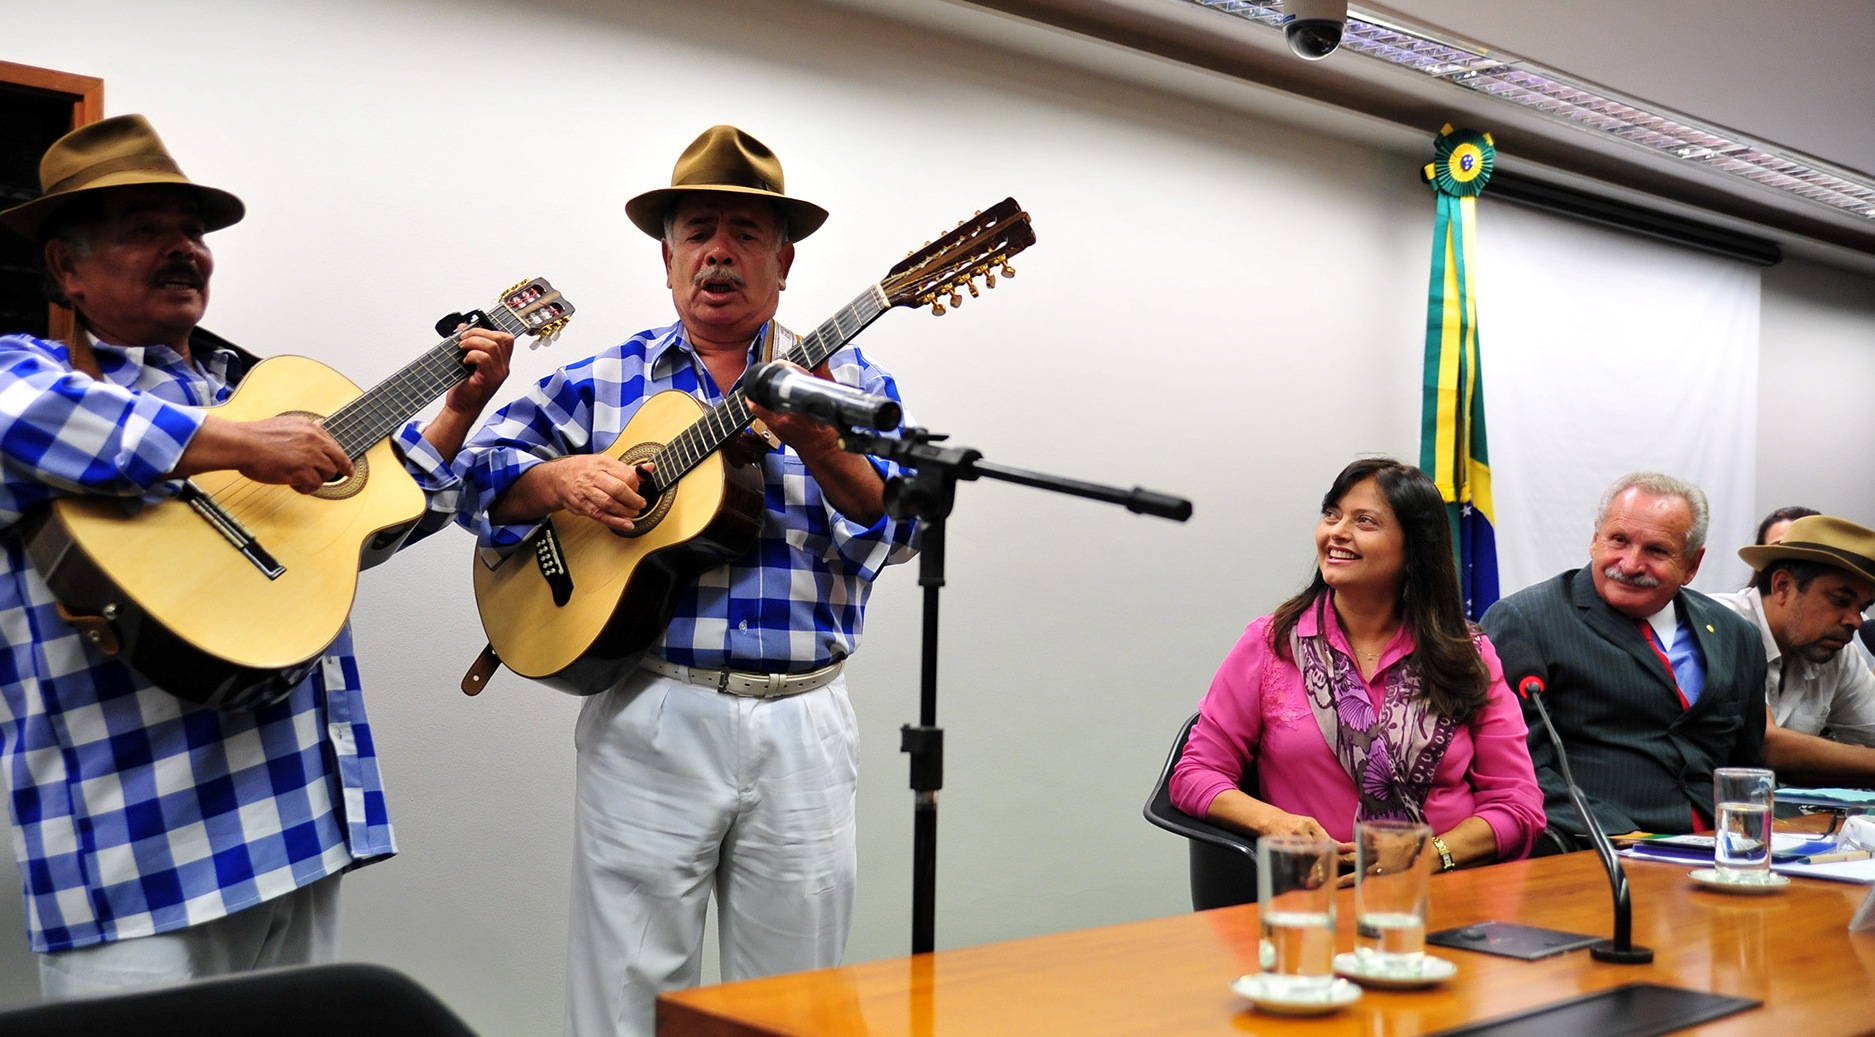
(722, 680)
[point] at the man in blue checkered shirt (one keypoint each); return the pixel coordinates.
(727, 761)
(160, 840)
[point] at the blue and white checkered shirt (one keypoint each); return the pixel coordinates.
(795, 601)
(135, 812)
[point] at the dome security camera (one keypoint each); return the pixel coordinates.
(1314, 27)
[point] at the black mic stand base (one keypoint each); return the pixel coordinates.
(1609, 952)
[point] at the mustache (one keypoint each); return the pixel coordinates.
(179, 270)
(717, 273)
(1641, 580)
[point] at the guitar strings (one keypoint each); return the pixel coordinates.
(373, 416)
(732, 415)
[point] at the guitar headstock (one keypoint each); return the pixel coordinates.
(538, 308)
(978, 248)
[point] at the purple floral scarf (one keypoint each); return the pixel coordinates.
(1390, 757)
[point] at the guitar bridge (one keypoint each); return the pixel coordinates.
(230, 529)
(552, 561)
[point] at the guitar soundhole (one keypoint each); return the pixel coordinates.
(657, 506)
(340, 489)
(350, 486)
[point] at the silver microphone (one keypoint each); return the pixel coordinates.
(780, 387)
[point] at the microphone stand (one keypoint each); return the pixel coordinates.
(927, 495)
(1621, 950)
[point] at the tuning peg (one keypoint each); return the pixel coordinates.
(1008, 271)
(972, 285)
(989, 278)
(957, 298)
(937, 308)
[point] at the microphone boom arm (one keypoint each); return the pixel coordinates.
(1620, 950)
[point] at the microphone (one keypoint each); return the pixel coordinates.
(1621, 950)
(780, 387)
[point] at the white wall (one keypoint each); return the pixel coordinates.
(402, 160)
(1816, 392)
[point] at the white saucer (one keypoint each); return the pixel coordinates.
(1709, 878)
(1429, 972)
(1278, 996)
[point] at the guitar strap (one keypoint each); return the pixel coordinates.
(778, 342)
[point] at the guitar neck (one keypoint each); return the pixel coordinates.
(708, 434)
(382, 410)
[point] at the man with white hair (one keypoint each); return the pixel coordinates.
(1651, 685)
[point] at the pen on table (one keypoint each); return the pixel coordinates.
(1830, 858)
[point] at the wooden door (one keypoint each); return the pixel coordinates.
(37, 107)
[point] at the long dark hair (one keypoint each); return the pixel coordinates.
(1451, 670)
(1789, 514)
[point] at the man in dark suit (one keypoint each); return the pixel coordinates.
(1651, 685)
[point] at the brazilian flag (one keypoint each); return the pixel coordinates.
(1451, 441)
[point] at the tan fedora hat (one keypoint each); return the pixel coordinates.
(725, 159)
(1820, 538)
(122, 151)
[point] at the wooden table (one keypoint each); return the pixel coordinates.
(1171, 976)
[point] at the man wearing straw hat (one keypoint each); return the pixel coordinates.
(1807, 598)
(159, 840)
(727, 761)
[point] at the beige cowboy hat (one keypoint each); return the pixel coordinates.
(728, 160)
(122, 151)
(1820, 538)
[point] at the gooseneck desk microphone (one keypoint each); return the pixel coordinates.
(1620, 950)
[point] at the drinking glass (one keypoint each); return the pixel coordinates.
(1296, 906)
(1742, 849)
(1392, 866)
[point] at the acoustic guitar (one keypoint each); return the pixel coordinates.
(227, 594)
(576, 603)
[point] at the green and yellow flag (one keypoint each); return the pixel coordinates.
(1451, 440)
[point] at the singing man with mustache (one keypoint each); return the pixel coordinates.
(1652, 685)
(726, 761)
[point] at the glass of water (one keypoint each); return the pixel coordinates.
(1392, 866)
(1296, 907)
(1744, 797)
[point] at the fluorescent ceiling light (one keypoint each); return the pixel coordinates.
(1591, 108)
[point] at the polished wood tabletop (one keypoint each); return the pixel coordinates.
(1171, 976)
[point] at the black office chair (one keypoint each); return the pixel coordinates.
(1223, 860)
(312, 1001)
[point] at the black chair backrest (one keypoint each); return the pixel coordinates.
(1223, 860)
(313, 1001)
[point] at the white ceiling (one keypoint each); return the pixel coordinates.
(1799, 74)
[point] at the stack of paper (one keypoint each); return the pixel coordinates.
(1791, 854)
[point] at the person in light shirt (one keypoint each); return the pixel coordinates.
(1809, 592)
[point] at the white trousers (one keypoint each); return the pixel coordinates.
(681, 792)
(298, 928)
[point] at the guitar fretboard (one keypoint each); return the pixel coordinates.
(367, 420)
(708, 433)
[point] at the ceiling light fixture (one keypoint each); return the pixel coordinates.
(1559, 97)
